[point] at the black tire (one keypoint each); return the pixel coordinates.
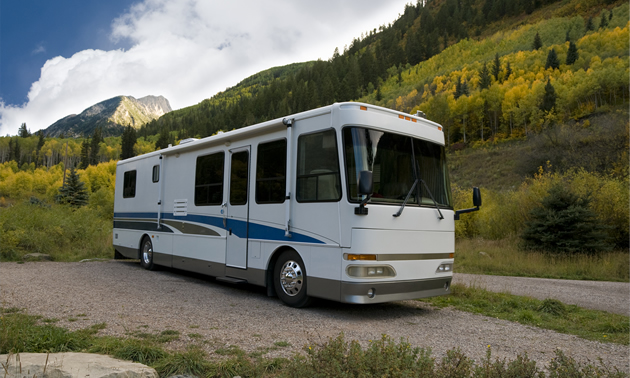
(290, 279)
(146, 254)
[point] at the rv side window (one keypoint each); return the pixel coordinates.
(129, 184)
(271, 172)
(318, 168)
(209, 179)
(156, 173)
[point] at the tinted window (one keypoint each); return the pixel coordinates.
(238, 178)
(318, 168)
(156, 173)
(209, 179)
(129, 184)
(271, 168)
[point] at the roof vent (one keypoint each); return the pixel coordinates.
(420, 113)
(187, 140)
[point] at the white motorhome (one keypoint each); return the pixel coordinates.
(350, 202)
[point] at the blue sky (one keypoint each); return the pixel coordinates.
(60, 57)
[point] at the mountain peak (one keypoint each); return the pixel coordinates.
(112, 116)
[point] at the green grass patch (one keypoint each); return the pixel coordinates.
(549, 313)
(504, 258)
(64, 233)
(21, 333)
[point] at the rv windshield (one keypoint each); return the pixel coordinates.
(396, 161)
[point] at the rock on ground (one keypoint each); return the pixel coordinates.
(70, 365)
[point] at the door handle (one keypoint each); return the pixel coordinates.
(224, 211)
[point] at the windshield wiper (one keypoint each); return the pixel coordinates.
(431, 195)
(406, 199)
(409, 195)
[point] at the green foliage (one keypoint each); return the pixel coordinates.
(549, 99)
(128, 141)
(552, 60)
(484, 77)
(537, 44)
(73, 192)
(547, 314)
(64, 233)
(572, 53)
(564, 224)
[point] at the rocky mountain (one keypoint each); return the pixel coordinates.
(112, 116)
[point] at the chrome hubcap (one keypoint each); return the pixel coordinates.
(291, 278)
(147, 253)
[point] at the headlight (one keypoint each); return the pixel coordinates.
(445, 268)
(367, 271)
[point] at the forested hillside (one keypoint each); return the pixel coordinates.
(417, 62)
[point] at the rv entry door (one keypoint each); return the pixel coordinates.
(238, 209)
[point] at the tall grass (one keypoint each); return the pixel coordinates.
(66, 234)
(504, 258)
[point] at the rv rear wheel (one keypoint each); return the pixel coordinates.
(290, 280)
(146, 254)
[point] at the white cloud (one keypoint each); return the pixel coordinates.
(38, 49)
(187, 50)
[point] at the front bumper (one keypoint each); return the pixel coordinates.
(353, 292)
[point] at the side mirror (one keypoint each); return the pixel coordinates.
(366, 183)
(476, 197)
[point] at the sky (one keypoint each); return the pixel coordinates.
(59, 57)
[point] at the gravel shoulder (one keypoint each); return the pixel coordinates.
(128, 299)
(606, 296)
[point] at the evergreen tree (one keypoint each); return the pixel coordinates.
(465, 91)
(458, 88)
(552, 60)
(128, 141)
(23, 132)
(40, 143)
(484, 77)
(537, 42)
(549, 98)
(565, 224)
(164, 140)
(603, 22)
(589, 24)
(496, 67)
(85, 154)
(17, 154)
(567, 37)
(572, 54)
(95, 146)
(379, 96)
(508, 71)
(610, 15)
(73, 191)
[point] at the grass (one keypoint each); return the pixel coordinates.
(64, 233)
(503, 258)
(20, 333)
(549, 313)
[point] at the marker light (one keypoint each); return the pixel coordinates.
(363, 107)
(353, 257)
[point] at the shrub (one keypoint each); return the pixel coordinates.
(564, 224)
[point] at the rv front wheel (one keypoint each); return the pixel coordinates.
(290, 279)
(146, 254)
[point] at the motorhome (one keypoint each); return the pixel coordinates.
(350, 202)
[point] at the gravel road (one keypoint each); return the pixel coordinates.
(606, 296)
(129, 299)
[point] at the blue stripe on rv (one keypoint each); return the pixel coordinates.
(239, 227)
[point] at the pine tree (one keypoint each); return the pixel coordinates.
(508, 71)
(565, 224)
(537, 42)
(95, 146)
(164, 140)
(589, 24)
(484, 77)
(128, 141)
(458, 88)
(567, 37)
(16, 152)
(73, 191)
(572, 54)
(85, 154)
(40, 143)
(23, 132)
(496, 67)
(552, 60)
(603, 22)
(549, 98)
